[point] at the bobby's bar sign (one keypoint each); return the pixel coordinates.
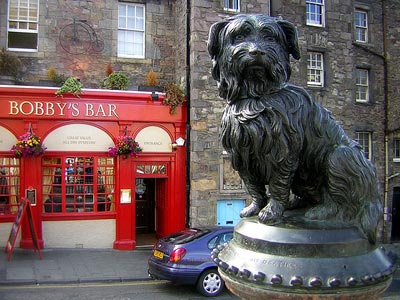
(73, 109)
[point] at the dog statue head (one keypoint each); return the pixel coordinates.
(251, 55)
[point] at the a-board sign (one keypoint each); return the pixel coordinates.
(24, 209)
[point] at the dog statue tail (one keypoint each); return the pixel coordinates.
(369, 216)
(356, 187)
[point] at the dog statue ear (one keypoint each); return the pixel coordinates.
(291, 36)
(214, 46)
(214, 41)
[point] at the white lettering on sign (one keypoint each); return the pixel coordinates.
(37, 108)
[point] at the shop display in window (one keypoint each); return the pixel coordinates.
(86, 185)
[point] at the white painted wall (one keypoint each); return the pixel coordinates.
(5, 229)
(79, 234)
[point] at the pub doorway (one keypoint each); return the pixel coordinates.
(149, 194)
(396, 215)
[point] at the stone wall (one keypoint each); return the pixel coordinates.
(102, 15)
(205, 114)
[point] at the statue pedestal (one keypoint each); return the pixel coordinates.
(302, 260)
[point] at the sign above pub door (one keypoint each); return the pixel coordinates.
(78, 137)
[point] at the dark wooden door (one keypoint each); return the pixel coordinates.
(396, 215)
(145, 205)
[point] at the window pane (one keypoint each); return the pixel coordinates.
(362, 85)
(131, 30)
(315, 69)
(364, 139)
(361, 26)
(396, 148)
(9, 185)
(78, 184)
(22, 40)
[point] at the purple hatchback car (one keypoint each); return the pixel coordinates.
(185, 258)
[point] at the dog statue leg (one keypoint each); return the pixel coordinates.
(280, 191)
(272, 213)
(260, 198)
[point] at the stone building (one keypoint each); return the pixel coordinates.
(348, 62)
(349, 56)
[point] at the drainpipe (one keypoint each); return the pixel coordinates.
(188, 107)
(386, 107)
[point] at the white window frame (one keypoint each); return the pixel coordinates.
(315, 9)
(23, 20)
(125, 29)
(315, 69)
(232, 5)
(364, 138)
(396, 150)
(361, 28)
(362, 85)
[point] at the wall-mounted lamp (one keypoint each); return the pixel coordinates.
(154, 96)
(179, 142)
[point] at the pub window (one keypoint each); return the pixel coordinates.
(131, 30)
(365, 140)
(23, 24)
(9, 185)
(152, 169)
(78, 184)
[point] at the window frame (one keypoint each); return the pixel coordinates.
(360, 85)
(229, 6)
(315, 69)
(67, 179)
(126, 30)
(30, 19)
(358, 27)
(314, 4)
(10, 185)
(396, 149)
(360, 138)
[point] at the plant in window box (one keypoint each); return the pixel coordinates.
(125, 145)
(115, 81)
(10, 65)
(28, 144)
(72, 85)
(174, 96)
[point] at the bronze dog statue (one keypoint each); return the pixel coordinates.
(276, 135)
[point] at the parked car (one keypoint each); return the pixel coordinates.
(185, 258)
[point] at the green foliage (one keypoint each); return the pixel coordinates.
(174, 96)
(71, 85)
(115, 81)
(10, 64)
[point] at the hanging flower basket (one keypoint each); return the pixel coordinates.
(125, 145)
(28, 144)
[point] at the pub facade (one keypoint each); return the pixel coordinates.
(81, 193)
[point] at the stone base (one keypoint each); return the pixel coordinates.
(302, 260)
(249, 292)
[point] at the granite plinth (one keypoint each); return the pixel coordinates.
(303, 260)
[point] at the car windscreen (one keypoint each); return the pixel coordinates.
(186, 236)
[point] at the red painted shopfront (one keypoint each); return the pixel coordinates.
(82, 196)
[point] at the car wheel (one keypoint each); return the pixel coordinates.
(210, 283)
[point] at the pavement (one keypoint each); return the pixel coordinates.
(101, 265)
(73, 266)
